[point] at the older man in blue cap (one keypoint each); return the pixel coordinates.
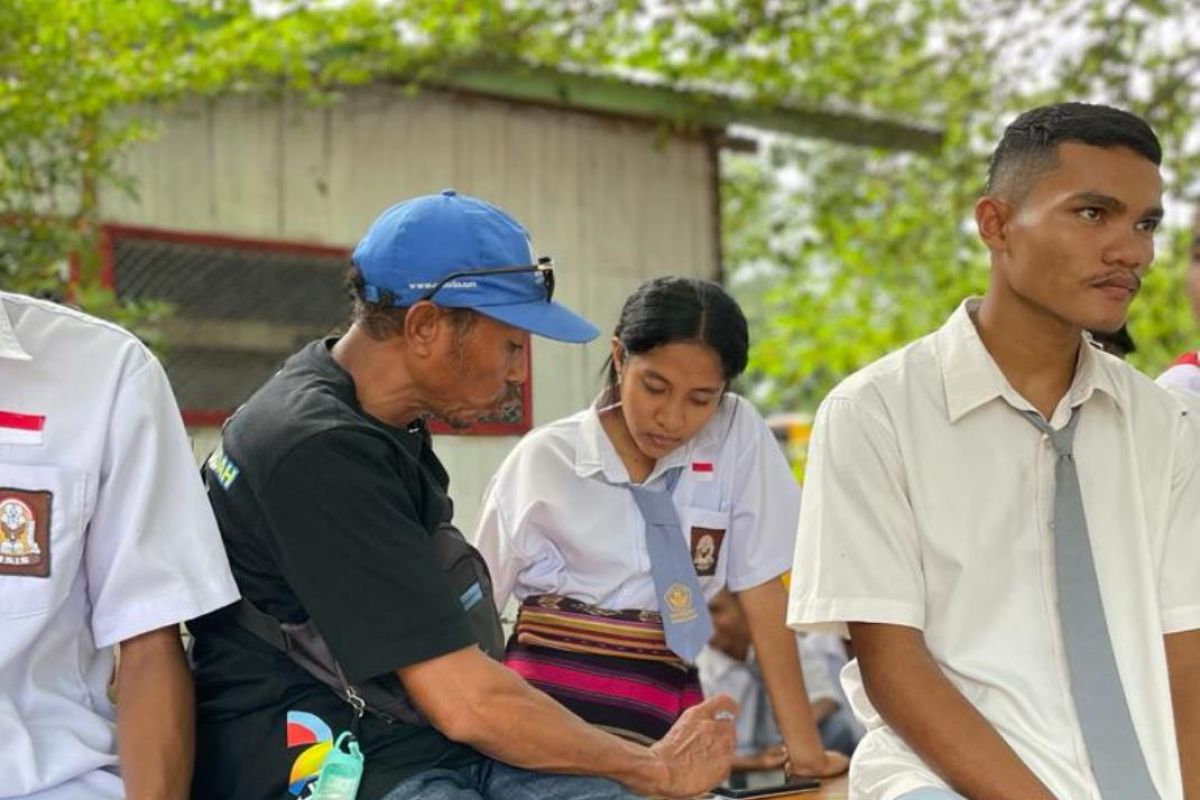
(356, 665)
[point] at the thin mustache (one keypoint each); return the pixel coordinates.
(1126, 279)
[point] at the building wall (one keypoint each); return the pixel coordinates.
(614, 201)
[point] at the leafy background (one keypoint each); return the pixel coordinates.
(838, 253)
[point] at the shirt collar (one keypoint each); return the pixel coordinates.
(594, 452)
(971, 377)
(10, 346)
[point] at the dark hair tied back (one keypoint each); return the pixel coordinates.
(675, 310)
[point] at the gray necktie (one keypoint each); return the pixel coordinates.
(686, 622)
(1117, 760)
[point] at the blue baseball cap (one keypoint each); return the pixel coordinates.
(416, 245)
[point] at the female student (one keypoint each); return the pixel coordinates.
(614, 527)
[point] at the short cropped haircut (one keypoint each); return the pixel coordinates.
(381, 320)
(1029, 146)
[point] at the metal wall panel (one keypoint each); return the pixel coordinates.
(615, 201)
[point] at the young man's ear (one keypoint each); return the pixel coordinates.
(992, 215)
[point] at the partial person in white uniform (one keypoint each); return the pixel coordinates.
(1184, 374)
(937, 523)
(728, 665)
(565, 528)
(106, 538)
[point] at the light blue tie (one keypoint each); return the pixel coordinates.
(686, 622)
(1117, 760)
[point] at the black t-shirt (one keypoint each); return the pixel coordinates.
(326, 513)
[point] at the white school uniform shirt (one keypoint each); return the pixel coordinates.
(1183, 376)
(721, 673)
(98, 489)
(558, 516)
(928, 504)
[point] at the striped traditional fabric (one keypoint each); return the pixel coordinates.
(612, 668)
(562, 623)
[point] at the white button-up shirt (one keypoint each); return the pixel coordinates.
(558, 516)
(105, 533)
(928, 504)
(1183, 376)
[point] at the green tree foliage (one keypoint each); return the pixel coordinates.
(839, 253)
(81, 80)
(844, 254)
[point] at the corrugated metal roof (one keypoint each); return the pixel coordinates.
(696, 106)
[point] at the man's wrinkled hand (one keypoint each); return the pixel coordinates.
(698, 750)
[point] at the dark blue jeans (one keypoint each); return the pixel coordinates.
(492, 780)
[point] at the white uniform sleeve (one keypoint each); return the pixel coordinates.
(1185, 377)
(766, 505)
(1179, 591)
(153, 554)
(494, 540)
(857, 554)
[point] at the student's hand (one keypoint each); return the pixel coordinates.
(826, 765)
(773, 758)
(698, 750)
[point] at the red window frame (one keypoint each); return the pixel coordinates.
(214, 417)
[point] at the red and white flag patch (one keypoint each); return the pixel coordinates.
(17, 428)
(703, 470)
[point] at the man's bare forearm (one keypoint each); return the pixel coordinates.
(1183, 663)
(522, 726)
(155, 717)
(473, 700)
(909, 690)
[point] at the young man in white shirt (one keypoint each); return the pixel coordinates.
(105, 538)
(942, 517)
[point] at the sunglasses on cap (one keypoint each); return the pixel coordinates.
(544, 267)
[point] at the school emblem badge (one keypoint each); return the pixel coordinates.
(24, 532)
(679, 603)
(706, 549)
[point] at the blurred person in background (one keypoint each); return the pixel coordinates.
(728, 666)
(1184, 374)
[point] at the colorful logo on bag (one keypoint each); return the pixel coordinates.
(310, 732)
(222, 468)
(679, 603)
(25, 532)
